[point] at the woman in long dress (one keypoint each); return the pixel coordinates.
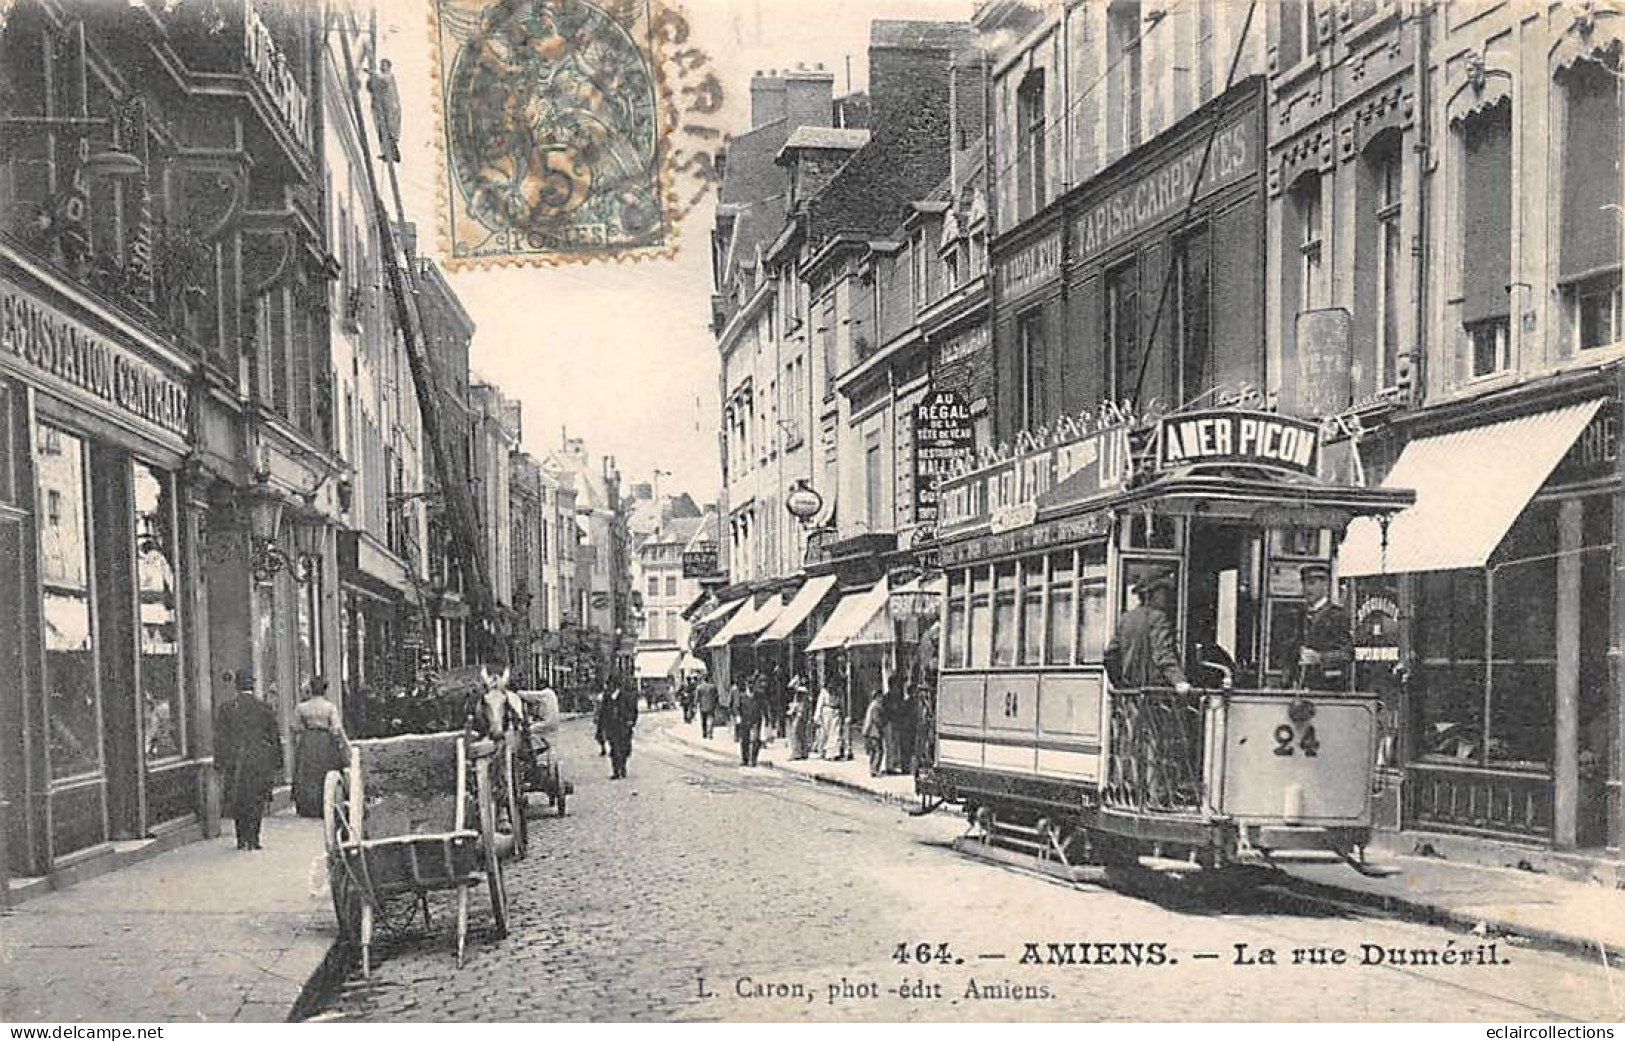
(320, 746)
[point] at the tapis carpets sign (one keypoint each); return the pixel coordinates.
(944, 433)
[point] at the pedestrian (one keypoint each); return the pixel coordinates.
(1141, 652)
(796, 721)
(319, 746)
(829, 725)
(1326, 640)
(725, 703)
(685, 698)
(874, 731)
(748, 726)
(598, 722)
(762, 690)
(248, 754)
(706, 699)
(617, 717)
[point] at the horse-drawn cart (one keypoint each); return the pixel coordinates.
(414, 815)
(539, 768)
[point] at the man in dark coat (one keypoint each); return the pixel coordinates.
(1326, 644)
(1141, 652)
(617, 716)
(706, 699)
(248, 754)
(748, 726)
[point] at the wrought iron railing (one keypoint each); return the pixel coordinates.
(1155, 762)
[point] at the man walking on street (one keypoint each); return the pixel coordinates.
(706, 698)
(748, 727)
(617, 716)
(248, 754)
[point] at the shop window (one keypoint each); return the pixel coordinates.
(1588, 258)
(73, 710)
(955, 635)
(1030, 334)
(981, 618)
(1030, 131)
(1093, 609)
(163, 710)
(1486, 222)
(1195, 295)
(1032, 611)
(1062, 601)
(1123, 329)
(1004, 614)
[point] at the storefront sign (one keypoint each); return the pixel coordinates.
(1324, 342)
(1027, 539)
(43, 339)
(1165, 190)
(1221, 437)
(274, 73)
(1010, 493)
(944, 433)
(963, 345)
(701, 561)
(1596, 451)
(1031, 266)
(1376, 626)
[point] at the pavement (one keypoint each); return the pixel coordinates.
(203, 933)
(1574, 916)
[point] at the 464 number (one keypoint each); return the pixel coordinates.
(924, 954)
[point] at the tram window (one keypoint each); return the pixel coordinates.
(981, 618)
(1286, 626)
(1032, 611)
(957, 619)
(1062, 597)
(1150, 531)
(1092, 632)
(1303, 543)
(1004, 614)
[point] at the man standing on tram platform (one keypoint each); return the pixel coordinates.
(1326, 642)
(1141, 652)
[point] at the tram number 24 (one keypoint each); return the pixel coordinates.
(1289, 740)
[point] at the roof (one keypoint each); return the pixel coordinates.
(825, 137)
(912, 35)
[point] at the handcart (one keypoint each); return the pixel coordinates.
(540, 767)
(410, 816)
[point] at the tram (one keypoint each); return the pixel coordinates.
(1250, 765)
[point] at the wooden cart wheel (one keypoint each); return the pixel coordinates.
(488, 842)
(516, 801)
(347, 899)
(556, 777)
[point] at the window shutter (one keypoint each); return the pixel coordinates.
(1237, 305)
(1083, 360)
(1486, 192)
(1591, 182)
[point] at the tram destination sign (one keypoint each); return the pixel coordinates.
(1225, 437)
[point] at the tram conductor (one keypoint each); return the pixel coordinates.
(1326, 644)
(1142, 651)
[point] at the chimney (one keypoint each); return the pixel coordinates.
(809, 98)
(909, 68)
(767, 98)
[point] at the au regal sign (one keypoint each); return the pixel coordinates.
(1225, 437)
(944, 434)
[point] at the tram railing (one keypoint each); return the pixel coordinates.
(1157, 738)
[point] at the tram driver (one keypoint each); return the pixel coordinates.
(1326, 643)
(1142, 651)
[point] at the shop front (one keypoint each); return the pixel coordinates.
(104, 720)
(1501, 578)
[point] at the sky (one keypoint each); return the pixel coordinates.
(621, 354)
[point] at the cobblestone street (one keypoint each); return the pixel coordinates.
(696, 890)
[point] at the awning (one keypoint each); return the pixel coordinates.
(719, 613)
(692, 665)
(748, 622)
(1470, 486)
(851, 615)
(801, 605)
(655, 665)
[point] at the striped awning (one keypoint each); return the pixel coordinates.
(851, 616)
(721, 611)
(806, 600)
(1470, 487)
(748, 622)
(657, 664)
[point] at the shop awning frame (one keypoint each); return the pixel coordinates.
(657, 664)
(806, 600)
(1470, 485)
(851, 616)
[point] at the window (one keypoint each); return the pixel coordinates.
(1307, 210)
(1486, 222)
(1062, 597)
(656, 626)
(1297, 35)
(1004, 614)
(157, 612)
(958, 617)
(981, 618)
(1123, 329)
(1588, 263)
(872, 482)
(951, 266)
(1123, 71)
(1092, 607)
(1030, 145)
(918, 272)
(1385, 171)
(1032, 611)
(1204, 50)
(826, 329)
(671, 585)
(1194, 288)
(1030, 335)
(654, 585)
(73, 709)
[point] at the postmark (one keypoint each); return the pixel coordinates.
(557, 122)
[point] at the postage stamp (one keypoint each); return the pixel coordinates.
(555, 129)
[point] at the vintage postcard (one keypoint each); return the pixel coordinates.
(872, 511)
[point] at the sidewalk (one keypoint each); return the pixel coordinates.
(203, 933)
(1580, 917)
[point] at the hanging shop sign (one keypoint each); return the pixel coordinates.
(1009, 494)
(700, 561)
(1230, 438)
(944, 434)
(1325, 361)
(42, 339)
